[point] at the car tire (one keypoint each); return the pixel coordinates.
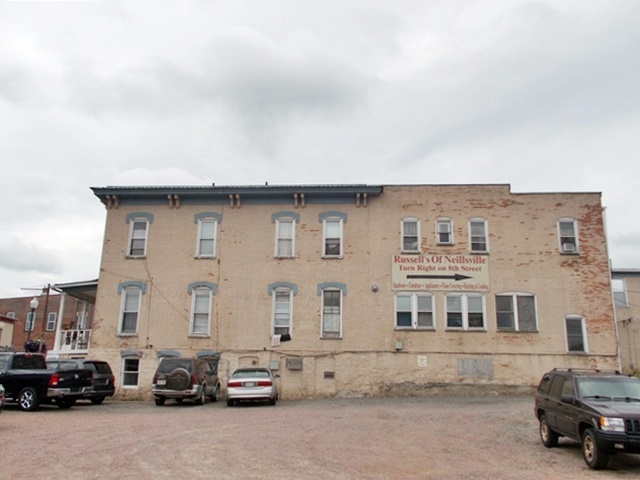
(548, 436)
(203, 395)
(179, 379)
(216, 394)
(160, 401)
(594, 456)
(97, 400)
(28, 400)
(230, 403)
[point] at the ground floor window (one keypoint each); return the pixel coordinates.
(576, 341)
(130, 372)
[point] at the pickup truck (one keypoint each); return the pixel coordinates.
(28, 383)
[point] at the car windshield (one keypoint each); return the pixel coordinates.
(253, 373)
(623, 388)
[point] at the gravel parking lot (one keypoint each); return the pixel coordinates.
(489, 437)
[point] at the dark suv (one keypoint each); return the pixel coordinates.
(192, 378)
(599, 409)
(103, 385)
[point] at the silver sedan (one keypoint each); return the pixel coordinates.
(252, 383)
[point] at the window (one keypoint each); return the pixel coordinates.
(200, 311)
(465, 311)
(138, 237)
(478, 235)
(516, 311)
(282, 311)
(331, 321)
(207, 228)
(410, 235)
(130, 372)
(130, 308)
(567, 231)
(11, 314)
(30, 323)
(575, 334)
(414, 310)
(51, 321)
(444, 231)
(619, 292)
(332, 232)
(285, 234)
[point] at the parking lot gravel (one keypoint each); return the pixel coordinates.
(445, 437)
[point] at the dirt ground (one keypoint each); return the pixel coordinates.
(489, 437)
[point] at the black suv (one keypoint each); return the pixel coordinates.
(192, 378)
(599, 409)
(103, 385)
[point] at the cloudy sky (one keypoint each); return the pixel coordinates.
(543, 95)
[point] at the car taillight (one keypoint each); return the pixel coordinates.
(234, 383)
(194, 379)
(113, 379)
(54, 379)
(155, 378)
(265, 383)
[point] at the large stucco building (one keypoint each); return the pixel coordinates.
(355, 289)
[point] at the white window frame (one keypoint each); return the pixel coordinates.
(465, 311)
(515, 311)
(202, 221)
(278, 314)
(281, 239)
(325, 237)
(442, 221)
(196, 294)
(133, 237)
(324, 332)
(124, 309)
(51, 321)
(126, 372)
(485, 236)
(619, 290)
(11, 314)
(568, 244)
(583, 332)
(404, 236)
(414, 299)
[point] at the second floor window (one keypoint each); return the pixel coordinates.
(31, 320)
(282, 311)
(478, 235)
(51, 321)
(138, 237)
(200, 312)
(129, 310)
(331, 313)
(567, 231)
(410, 235)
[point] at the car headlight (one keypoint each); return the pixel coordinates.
(612, 424)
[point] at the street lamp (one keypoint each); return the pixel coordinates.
(33, 304)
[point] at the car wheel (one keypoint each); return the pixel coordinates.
(97, 400)
(160, 401)
(548, 436)
(216, 393)
(28, 400)
(65, 403)
(202, 397)
(594, 456)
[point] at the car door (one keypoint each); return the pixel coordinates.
(566, 411)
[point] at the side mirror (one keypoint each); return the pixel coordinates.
(567, 399)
